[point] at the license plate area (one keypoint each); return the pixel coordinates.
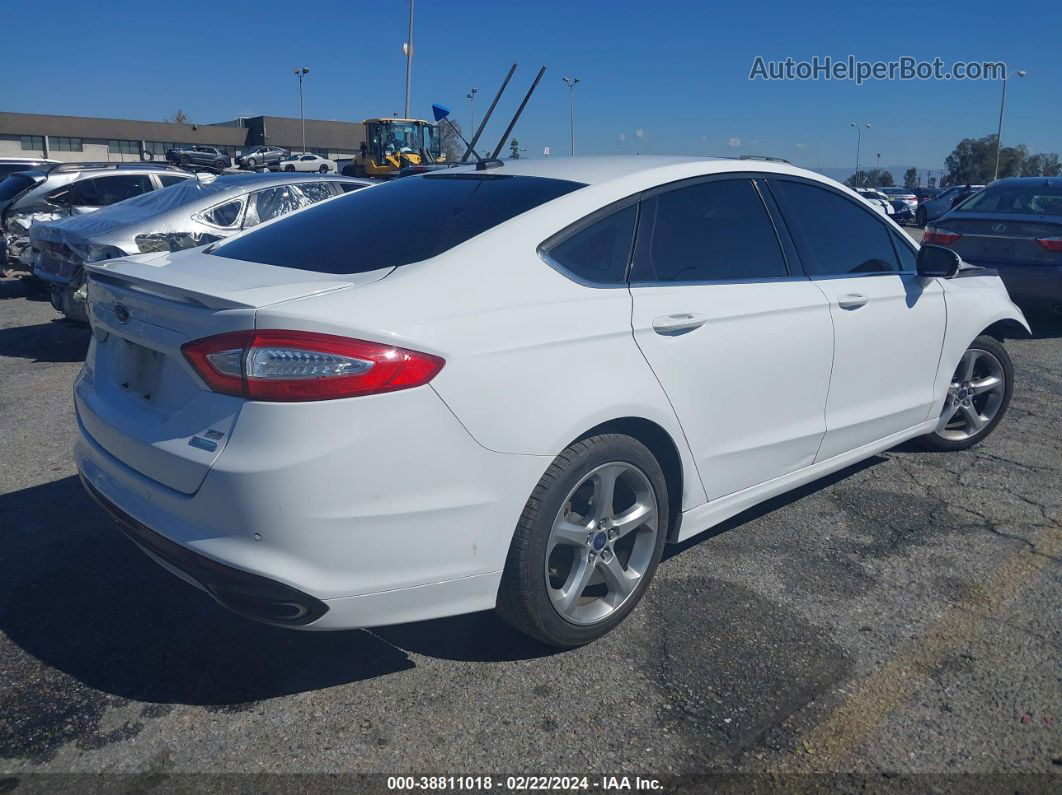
(138, 369)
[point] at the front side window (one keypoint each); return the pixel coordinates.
(356, 233)
(270, 203)
(597, 249)
(844, 238)
(717, 230)
(121, 187)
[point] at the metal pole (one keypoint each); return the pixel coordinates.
(409, 56)
(519, 110)
(859, 139)
(302, 115)
(999, 130)
(490, 111)
(571, 114)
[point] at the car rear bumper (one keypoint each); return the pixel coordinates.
(399, 516)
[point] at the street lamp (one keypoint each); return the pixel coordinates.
(472, 109)
(999, 132)
(859, 140)
(570, 82)
(407, 50)
(877, 170)
(300, 72)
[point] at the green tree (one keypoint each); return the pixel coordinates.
(452, 147)
(860, 179)
(180, 117)
(910, 178)
(1041, 165)
(884, 179)
(973, 161)
(514, 149)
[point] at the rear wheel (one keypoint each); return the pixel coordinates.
(323, 169)
(588, 542)
(289, 168)
(251, 163)
(185, 160)
(920, 217)
(977, 398)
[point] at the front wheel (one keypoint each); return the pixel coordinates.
(588, 542)
(920, 217)
(977, 398)
(250, 163)
(289, 168)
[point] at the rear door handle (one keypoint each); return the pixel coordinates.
(851, 300)
(678, 323)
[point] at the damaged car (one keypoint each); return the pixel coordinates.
(53, 192)
(194, 213)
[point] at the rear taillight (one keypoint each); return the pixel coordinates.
(942, 237)
(1051, 243)
(300, 365)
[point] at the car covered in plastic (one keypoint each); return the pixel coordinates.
(194, 213)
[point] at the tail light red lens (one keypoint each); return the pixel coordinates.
(299, 365)
(942, 237)
(1051, 243)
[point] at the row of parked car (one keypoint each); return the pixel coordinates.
(916, 206)
(270, 157)
(57, 217)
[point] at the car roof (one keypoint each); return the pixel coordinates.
(599, 169)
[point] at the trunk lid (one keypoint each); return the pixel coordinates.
(1003, 239)
(137, 396)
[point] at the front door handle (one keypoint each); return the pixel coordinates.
(851, 301)
(678, 323)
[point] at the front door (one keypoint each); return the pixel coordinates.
(888, 322)
(741, 345)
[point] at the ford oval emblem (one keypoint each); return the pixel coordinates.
(121, 313)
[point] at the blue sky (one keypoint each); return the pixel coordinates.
(675, 71)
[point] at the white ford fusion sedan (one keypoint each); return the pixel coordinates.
(510, 387)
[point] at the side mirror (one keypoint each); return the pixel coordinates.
(937, 261)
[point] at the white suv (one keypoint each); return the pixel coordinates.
(326, 423)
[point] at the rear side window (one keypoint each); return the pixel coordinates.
(170, 179)
(316, 191)
(224, 215)
(711, 231)
(407, 220)
(14, 185)
(1036, 198)
(597, 250)
(272, 203)
(844, 238)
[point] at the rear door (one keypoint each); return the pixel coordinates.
(739, 338)
(888, 323)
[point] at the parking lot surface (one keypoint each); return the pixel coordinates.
(900, 616)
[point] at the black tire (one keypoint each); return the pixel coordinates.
(523, 600)
(221, 165)
(185, 160)
(289, 168)
(250, 163)
(934, 441)
(920, 218)
(323, 169)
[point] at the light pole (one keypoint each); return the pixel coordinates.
(999, 132)
(877, 170)
(859, 140)
(301, 71)
(570, 82)
(407, 50)
(472, 110)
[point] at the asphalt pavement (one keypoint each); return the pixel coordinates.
(899, 617)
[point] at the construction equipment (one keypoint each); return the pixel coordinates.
(393, 144)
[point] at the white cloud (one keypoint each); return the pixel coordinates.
(621, 137)
(640, 133)
(801, 146)
(734, 143)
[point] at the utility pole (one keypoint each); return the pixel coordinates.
(301, 71)
(999, 132)
(472, 108)
(407, 48)
(570, 82)
(877, 170)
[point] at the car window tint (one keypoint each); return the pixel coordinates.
(170, 179)
(716, 230)
(844, 237)
(347, 187)
(316, 191)
(597, 251)
(356, 233)
(81, 194)
(272, 203)
(1031, 197)
(110, 190)
(224, 215)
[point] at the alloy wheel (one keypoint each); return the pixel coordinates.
(974, 396)
(602, 542)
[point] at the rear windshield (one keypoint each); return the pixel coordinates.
(1039, 199)
(408, 220)
(14, 185)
